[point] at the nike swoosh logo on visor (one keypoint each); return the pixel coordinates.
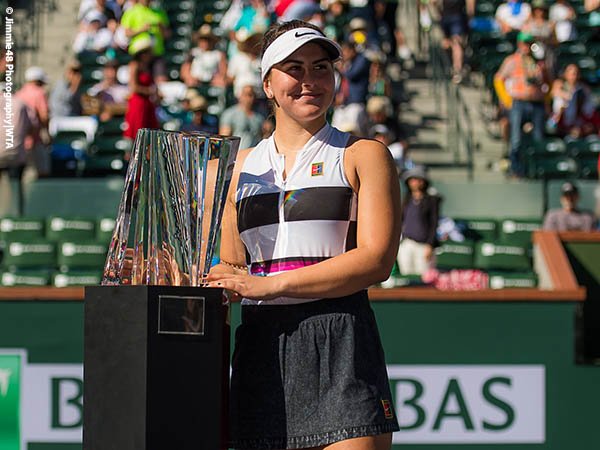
(304, 34)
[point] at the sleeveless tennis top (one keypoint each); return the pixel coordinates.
(306, 218)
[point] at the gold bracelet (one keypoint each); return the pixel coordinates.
(235, 266)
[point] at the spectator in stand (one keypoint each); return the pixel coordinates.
(205, 63)
(397, 148)
(382, 29)
(568, 217)
(380, 112)
(363, 35)
(242, 119)
(420, 214)
(201, 121)
(65, 98)
(527, 82)
(254, 18)
(593, 20)
(110, 9)
(33, 94)
(353, 89)
(562, 15)
(93, 36)
(336, 19)
(244, 67)
(141, 108)
(455, 24)
(12, 155)
(112, 94)
(306, 10)
(141, 22)
(512, 15)
(379, 81)
(574, 108)
(539, 26)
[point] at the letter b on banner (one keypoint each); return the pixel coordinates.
(67, 403)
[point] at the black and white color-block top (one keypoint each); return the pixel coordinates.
(306, 218)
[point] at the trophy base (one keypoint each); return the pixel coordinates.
(156, 368)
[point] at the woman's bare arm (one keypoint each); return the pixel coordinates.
(232, 250)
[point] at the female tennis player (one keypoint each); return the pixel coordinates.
(312, 220)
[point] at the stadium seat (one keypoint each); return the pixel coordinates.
(21, 228)
(68, 153)
(62, 228)
(77, 278)
(518, 231)
(589, 146)
(84, 124)
(111, 127)
(103, 165)
(546, 147)
(560, 166)
(113, 145)
(504, 280)
(492, 256)
(25, 277)
(29, 253)
(454, 255)
(588, 167)
(178, 45)
(91, 59)
(81, 254)
(479, 228)
(104, 229)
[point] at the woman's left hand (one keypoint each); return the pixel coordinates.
(247, 286)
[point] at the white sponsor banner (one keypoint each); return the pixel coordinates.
(468, 404)
(435, 404)
(52, 399)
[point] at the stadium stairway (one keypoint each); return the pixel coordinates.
(426, 120)
(57, 37)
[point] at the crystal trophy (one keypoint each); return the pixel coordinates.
(171, 209)
(156, 349)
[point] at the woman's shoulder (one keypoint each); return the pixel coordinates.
(363, 148)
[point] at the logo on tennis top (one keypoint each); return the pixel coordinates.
(305, 34)
(317, 169)
(387, 409)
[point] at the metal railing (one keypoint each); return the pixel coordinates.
(459, 123)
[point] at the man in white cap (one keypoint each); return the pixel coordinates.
(568, 217)
(33, 95)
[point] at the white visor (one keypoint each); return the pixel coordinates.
(292, 40)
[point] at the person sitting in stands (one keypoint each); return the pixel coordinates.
(205, 63)
(574, 109)
(568, 217)
(562, 15)
(112, 94)
(512, 15)
(242, 120)
(94, 36)
(65, 98)
(201, 121)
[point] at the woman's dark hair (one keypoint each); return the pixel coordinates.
(279, 28)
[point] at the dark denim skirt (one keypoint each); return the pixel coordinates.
(308, 375)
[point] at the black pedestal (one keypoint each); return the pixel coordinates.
(156, 368)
